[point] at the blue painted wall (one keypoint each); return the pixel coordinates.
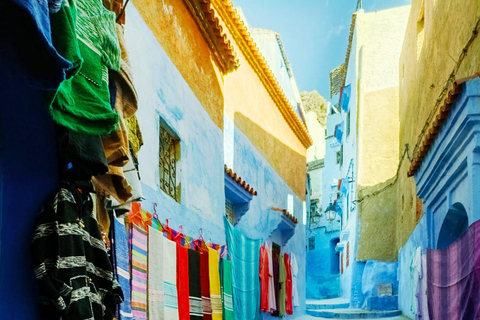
(28, 175)
(322, 283)
(163, 93)
(451, 170)
(449, 174)
(259, 221)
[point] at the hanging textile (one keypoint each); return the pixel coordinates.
(296, 300)
(288, 285)
(415, 274)
(271, 281)
(84, 151)
(453, 278)
(205, 283)
(422, 292)
(182, 282)
(195, 291)
(276, 281)
(140, 217)
(25, 39)
(170, 279)
(282, 278)
(214, 277)
(82, 102)
(70, 258)
(264, 280)
(245, 254)
(227, 290)
(155, 272)
(123, 267)
(139, 273)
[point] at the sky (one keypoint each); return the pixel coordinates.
(314, 33)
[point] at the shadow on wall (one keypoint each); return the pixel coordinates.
(377, 211)
(323, 265)
(290, 165)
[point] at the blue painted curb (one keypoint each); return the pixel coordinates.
(353, 314)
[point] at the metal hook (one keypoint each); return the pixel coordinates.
(155, 210)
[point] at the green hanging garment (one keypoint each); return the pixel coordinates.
(227, 290)
(282, 280)
(85, 30)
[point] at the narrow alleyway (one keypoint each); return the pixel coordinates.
(160, 159)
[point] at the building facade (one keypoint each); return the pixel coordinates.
(362, 156)
(438, 115)
(221, 137)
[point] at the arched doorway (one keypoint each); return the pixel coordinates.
(453, 226)
(334, 257)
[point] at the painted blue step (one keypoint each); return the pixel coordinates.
(352, 313)
(337, 303)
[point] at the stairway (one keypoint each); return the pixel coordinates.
(339, 309)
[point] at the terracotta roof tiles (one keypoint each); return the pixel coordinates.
(240, 181)
(286, 214)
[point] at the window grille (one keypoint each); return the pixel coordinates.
(168, 162)
(229, 210)
(311, 243)
(340, 156)
(348, 124)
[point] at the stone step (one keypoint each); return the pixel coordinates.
(336, 303)
(352, 313)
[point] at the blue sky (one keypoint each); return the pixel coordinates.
(314, 33)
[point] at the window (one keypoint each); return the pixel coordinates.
(169, 155)
(340, 156)
(348, 124)
(334, 257)
(230, 211)
(311, 243)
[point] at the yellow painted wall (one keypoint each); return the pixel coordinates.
(252, 110)
(379, 38)
(176, 31)
(448, 26)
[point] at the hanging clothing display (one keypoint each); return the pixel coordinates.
(195, 290)
(453, 278)
(82, 102)
(272, 304)
(288, 285)
(245, 253)
(264, 280)
(84, 151)
(215, 290)
(183, 282)
(25, 36)
(276, 281)
(422, 291)
(227, 290)
(296, 300)
(155, 272)
(123, 267)
(170, 279)
(205, 283)
(282, 278)
(70, 259)
(139, 272)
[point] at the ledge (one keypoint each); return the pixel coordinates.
(286, 226)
